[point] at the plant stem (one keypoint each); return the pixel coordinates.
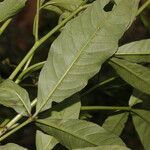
(94, 108)
(143, 7)
(15, 119)
(29, 70)
(36, 34)
(4, 26)
(42, 40)
(29, 120)
(37, 21)
(98, 85)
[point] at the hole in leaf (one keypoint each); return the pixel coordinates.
(108, 7)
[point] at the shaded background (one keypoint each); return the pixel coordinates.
(18, 39)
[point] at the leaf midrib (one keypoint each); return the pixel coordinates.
(72, 64)
(24, 104)
(129, 70)
(66, 132)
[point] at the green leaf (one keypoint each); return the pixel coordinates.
(8, 8)
(70, 109)
(82, 47)
(69, 5)
(44, 141)
(14, 96)
(116, 123)
(138, 51)
(107, 147)
(54, 9)
(75, 133)
(12, 146)
(134, 100)
(141, 120)
(136, 75)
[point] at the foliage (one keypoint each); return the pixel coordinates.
(88, 40)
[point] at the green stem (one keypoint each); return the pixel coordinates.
(94, 108)
(29, 70)
(98, 85)
(29, 120)
(15, 119)
(37, 21)
(42, 40)
(4, 26)
(143, 7)
(36, 32)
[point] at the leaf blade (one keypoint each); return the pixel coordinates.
(44, 141)
(141, 120)
(78, 133)
(68, 69)
(138, 51)
(12, 146)
(14, 96)
(116, 123)
(8, 8)
(107, 147)
(136, 75)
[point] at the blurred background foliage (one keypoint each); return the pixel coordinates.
(18, 39)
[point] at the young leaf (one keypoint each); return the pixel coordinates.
(134, 100)
(75, 133)
(107, 147)
(141, 120)
(12, 146)
(138, 51)
(14, 96)
(136, 75)
(8, 8)
(84, 45)
(44, 141)
(116, 123)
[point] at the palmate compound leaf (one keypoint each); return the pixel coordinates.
(141, 120)
(8, 8)
(74, 133)
(116, 123)
(12, 146)
(66, 109)
(138, 51)
(83, 46)
(107, 147)
(14, 96)
(136, 75)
